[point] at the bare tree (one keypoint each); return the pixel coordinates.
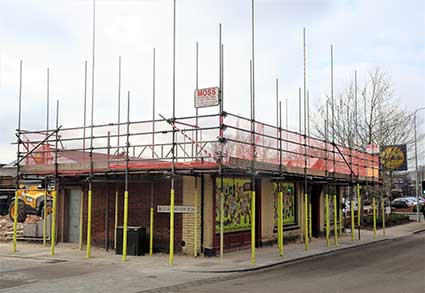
(368, 115)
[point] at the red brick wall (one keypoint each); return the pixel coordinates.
(139, 202)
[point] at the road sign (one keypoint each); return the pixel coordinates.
(177, 209)
(207, 97)
(394, 157)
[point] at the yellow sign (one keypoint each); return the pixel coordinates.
(237, 204)
(394, 157)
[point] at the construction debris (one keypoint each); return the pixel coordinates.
(6, 228)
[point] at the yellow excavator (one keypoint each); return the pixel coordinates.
(31, 202)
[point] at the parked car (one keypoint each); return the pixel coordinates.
(413, 199)
(402, 203)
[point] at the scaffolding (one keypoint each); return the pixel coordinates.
(222, 143)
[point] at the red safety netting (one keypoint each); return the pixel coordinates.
(197, 145)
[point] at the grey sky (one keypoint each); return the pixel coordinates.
(57, 34)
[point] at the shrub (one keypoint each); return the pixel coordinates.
(390, 220)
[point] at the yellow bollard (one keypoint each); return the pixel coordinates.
(374, 217)
(352, 218)
(45, 218)
(335, 221)
(151, 233)
(310, 224)
(359, 205)
(89, 200)
(306, 221)
(171, 257)
(253, 228)
(15, 220)
(116, 220)
(221, 224)
(195, 223)
(327, 218)
(383, 216)
(125, 227)
(81, 220)
(280, 223)
(53, 232)
(341, 221)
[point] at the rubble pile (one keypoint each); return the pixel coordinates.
(6, 228)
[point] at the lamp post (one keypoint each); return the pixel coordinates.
(418, 218)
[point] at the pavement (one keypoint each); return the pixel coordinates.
(33, 268)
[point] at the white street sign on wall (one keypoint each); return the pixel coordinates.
(207, 97)
(177, 209)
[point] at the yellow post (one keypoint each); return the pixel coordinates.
(53, 232)
(89, 200)
(359, 205)
(81, 220)
(116, 220)
(253, 228)
(306, 221)
(280, 223)
(374, 217)
(195, 223)
(15, 220)
(124, 228)
(221, 224)
(335, 221)
(45, 218)
(327, 218)
(341, 221)
(151, 232)
(383, 216)
(352, 218)
(171, 258)
(310, 225)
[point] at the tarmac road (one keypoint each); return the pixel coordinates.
(396, 265)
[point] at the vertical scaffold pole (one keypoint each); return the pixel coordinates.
(253, 257)
(16, 206)
(280, 221)
(47, 133)
(306, 221)
(359, 208)
(125, 220)
(310, 224)
(221, 146)
(171, 256)
(89, 197)
(89, 208)
(53, 232)
(55, 192)
(279, 183)
(327, 218)
(15, 220)
(352, 218)
(374, 217)
(116, 219)
(45, 214)
(383, 216)
(341, 220)
(335, 221)
(84, 155)
(151, 223)
(195, 219)
(221, 215)
(80, 238)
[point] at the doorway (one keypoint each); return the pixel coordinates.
(73, 215)
(315, 192)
